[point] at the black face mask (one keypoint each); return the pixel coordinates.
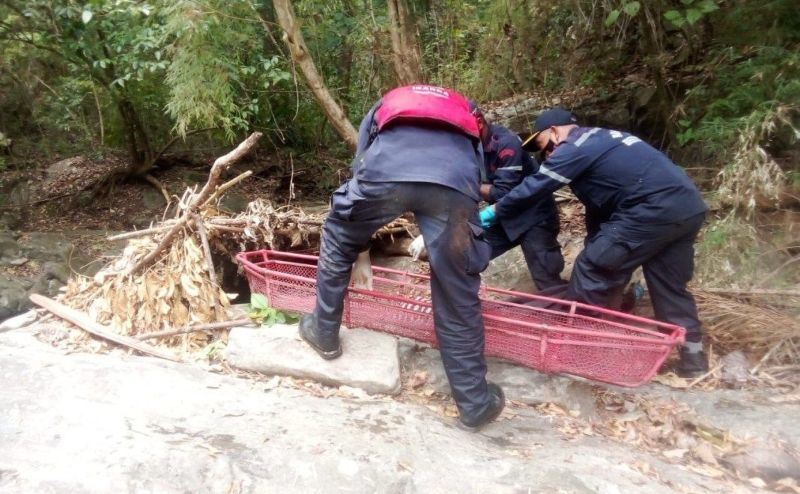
(547, 150)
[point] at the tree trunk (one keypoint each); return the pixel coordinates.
(405, 48)
(138, 141)
(293, 37)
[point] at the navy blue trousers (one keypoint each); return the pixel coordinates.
(666, 254)
(457, 252)
(541, 250)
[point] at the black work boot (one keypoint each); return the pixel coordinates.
(327, 346)
(692, 364)
(497, 401)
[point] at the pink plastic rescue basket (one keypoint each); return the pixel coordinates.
(546, 334)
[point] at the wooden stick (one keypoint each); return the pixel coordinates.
(201, 230)
(82, 320)
(192, 329)
(227, 185)
(139, 233)
(226, 228)
(753, 291)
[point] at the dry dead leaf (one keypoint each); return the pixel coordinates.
(705, 453)
(675, 453)
(418, 379)
(707, 470)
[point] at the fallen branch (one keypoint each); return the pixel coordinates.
(220, 165)
(82, 320)
(193, 329)
(224, 187)
(139, 233)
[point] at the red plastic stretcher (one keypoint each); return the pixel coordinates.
(546, 334)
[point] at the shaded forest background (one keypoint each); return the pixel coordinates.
(714, 83)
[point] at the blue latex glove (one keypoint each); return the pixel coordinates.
(487, 216)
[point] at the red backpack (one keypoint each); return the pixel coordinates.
(421, 102)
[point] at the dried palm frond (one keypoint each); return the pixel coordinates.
(763, 332)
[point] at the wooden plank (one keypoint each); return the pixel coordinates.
(82, 320)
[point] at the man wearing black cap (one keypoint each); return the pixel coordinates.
(641, 210)
(534, 229)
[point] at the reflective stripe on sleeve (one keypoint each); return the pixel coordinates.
(585, 136)
(555, 176)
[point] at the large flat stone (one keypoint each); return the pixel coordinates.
(370, 360)
(90, 423)
(519, 383)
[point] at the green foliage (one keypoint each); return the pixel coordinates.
(629, 8)
(693, 11)
(756, 83)
(214, 351)
(219, 75)
(260, 311)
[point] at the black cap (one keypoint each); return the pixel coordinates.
(550, 118)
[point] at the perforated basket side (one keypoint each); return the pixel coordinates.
(550, 335)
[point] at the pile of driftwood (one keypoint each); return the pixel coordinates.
(164, 285)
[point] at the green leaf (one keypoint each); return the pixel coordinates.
(687, 2)
(612, 17)
(675, 17)
(631, 8)
(86, 16)
(707, 6)
(693, 15)
(259, 301)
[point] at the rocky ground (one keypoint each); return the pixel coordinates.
(84, 422)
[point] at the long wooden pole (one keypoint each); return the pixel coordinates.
(82, 320)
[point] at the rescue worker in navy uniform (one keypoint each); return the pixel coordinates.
(535, 228)
(641, 210)
(418, 150)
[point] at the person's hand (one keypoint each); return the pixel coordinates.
(416, 248)
(362, 272)
(487, 216)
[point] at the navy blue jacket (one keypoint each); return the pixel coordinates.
(617, 176)
(417, 153)
(506, 165)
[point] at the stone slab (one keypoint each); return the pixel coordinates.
(370, 360)
(90, 423)
(519, 383)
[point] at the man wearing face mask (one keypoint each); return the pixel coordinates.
(641, 210)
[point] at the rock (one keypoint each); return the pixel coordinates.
(152, 199)
(19, 321)
(370, 359)
(13, 296)
(767, 461)
(14, 198)
(94, 423)
(735, 369)
(234, 202)
(519, 383)
(509, 271)
(66, 165)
